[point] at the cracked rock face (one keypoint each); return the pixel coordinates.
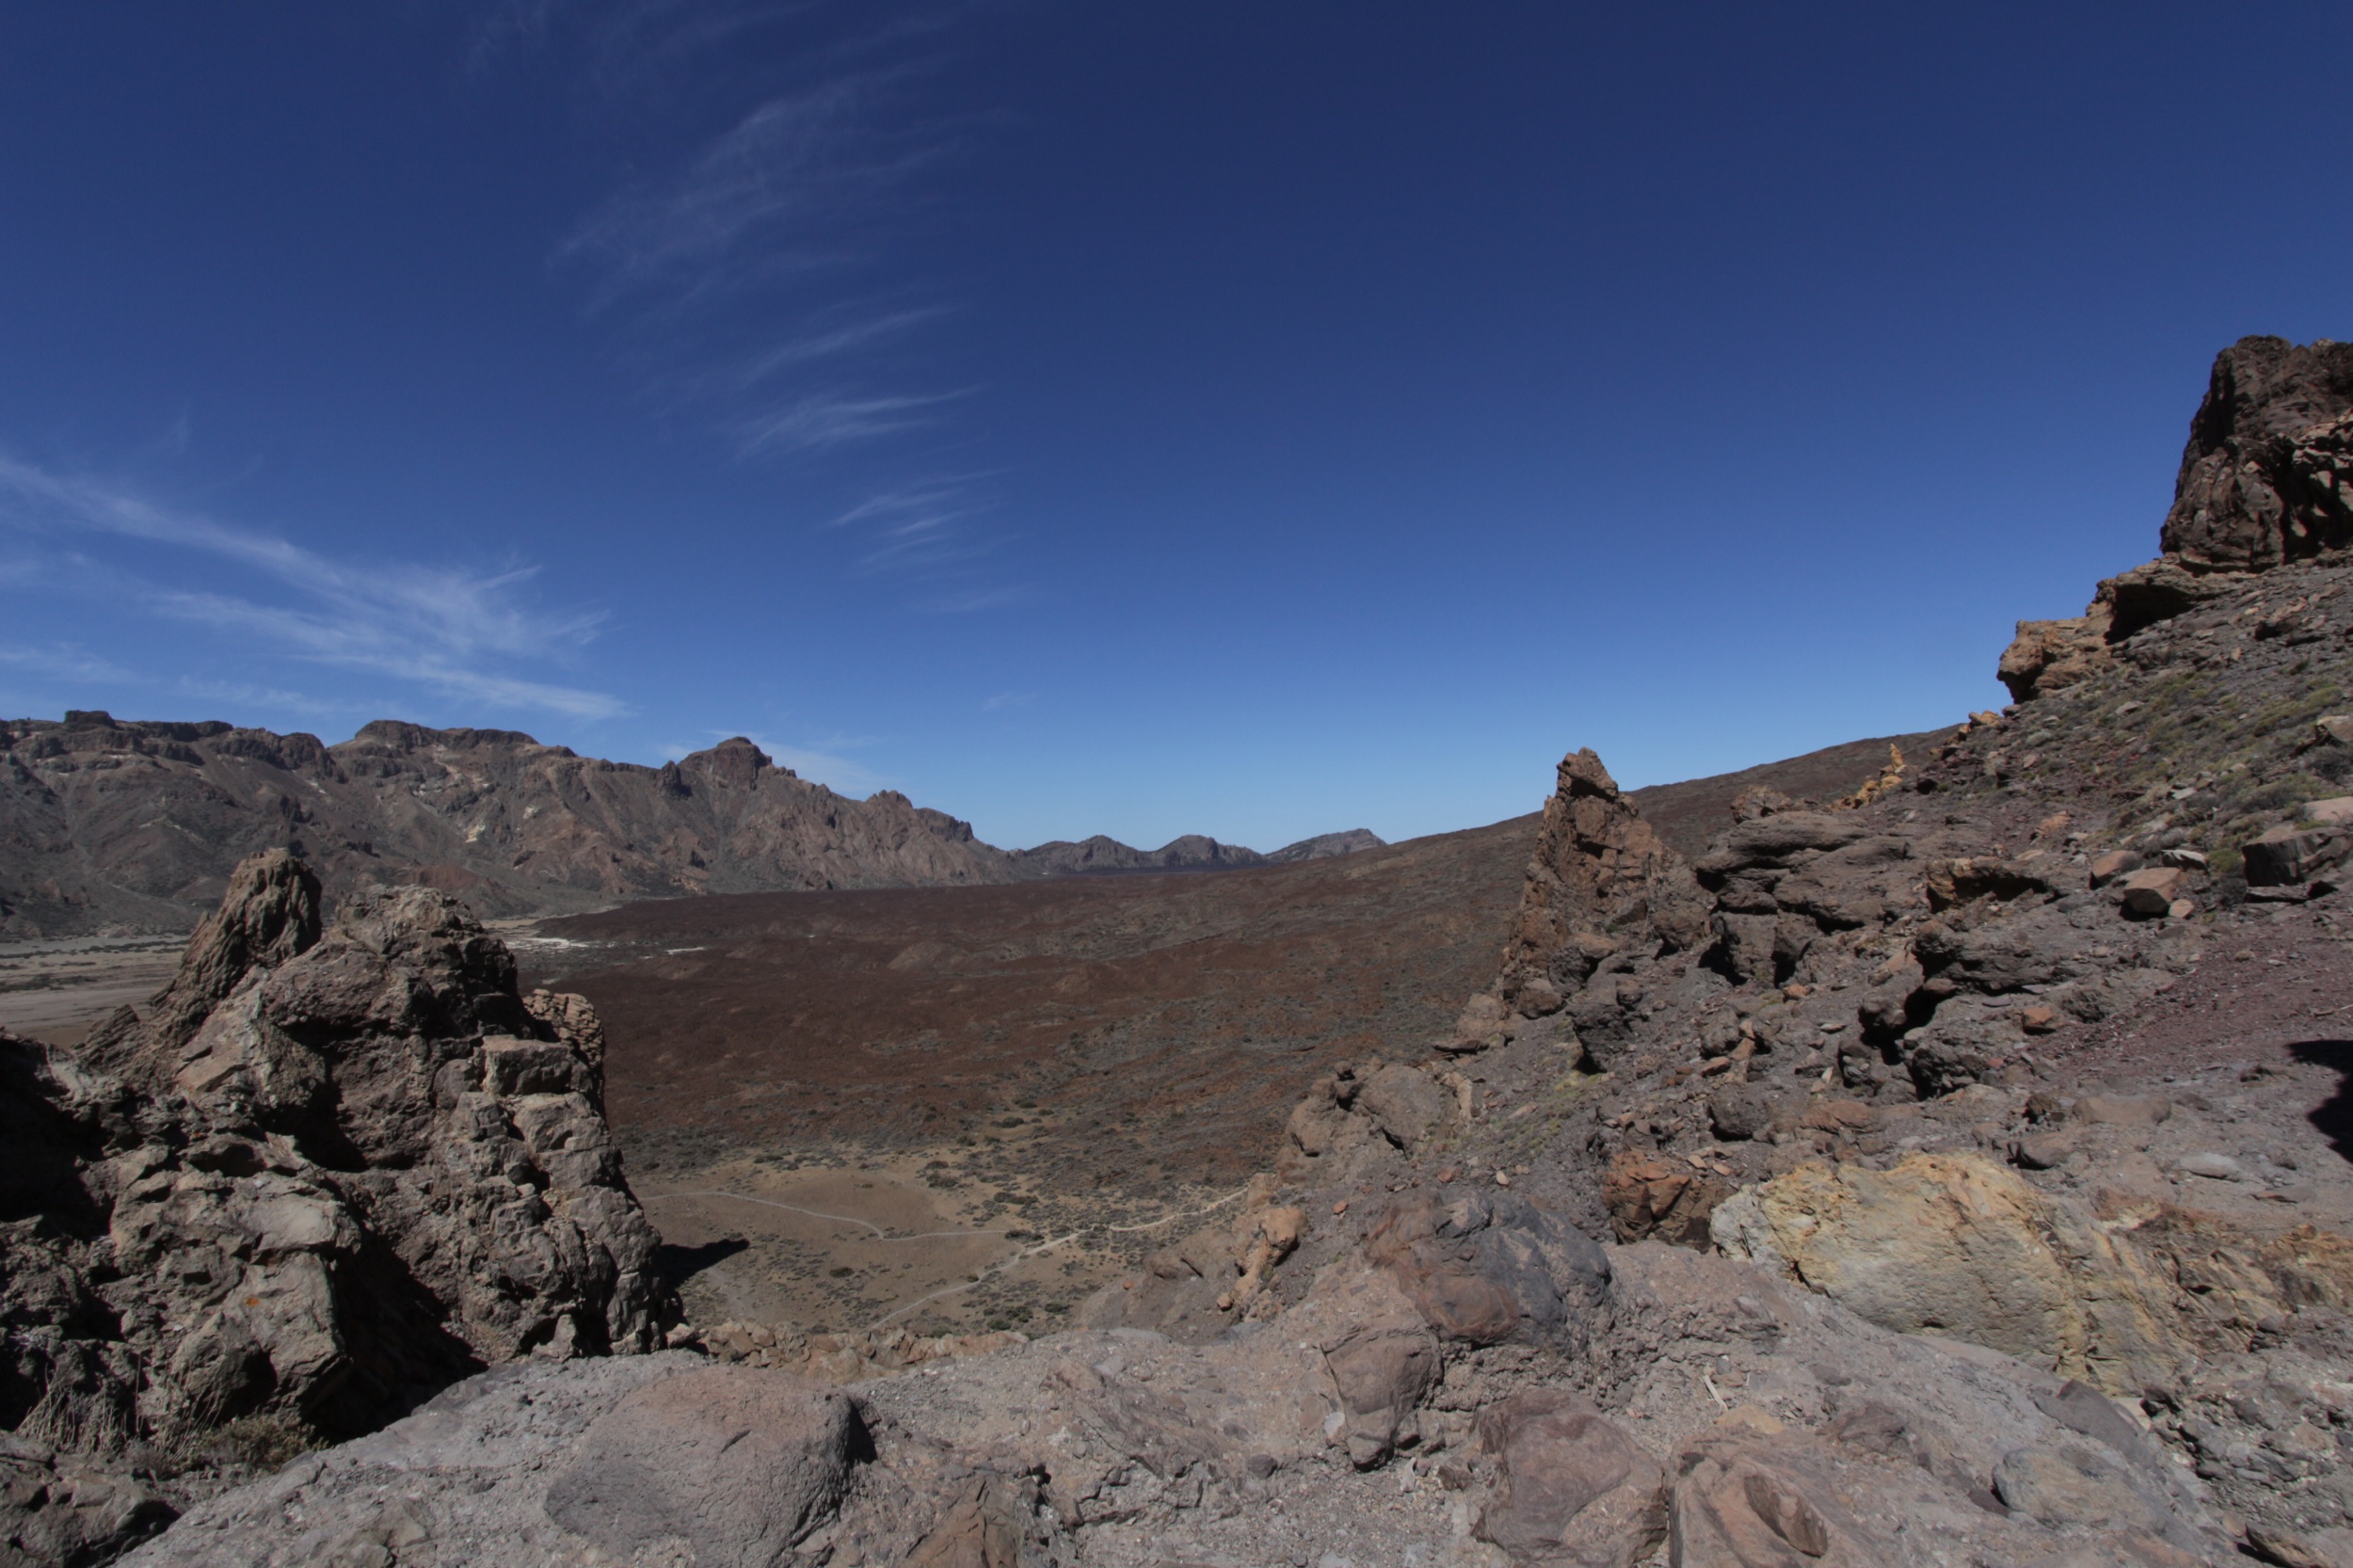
(2268, 476)
(2267, 480)
(327, 1175)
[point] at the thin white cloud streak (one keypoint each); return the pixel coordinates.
(977, 599)
(803, 173)
(438, 626)
(1004, 700)
(922, 529)
(943, 498)
(64, 659)
(821, 420)
(832, 343)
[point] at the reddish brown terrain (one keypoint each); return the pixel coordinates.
(841, 1103)
(1160, 1026)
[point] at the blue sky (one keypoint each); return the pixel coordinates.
(1243, 418)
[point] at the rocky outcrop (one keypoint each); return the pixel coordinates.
(2266, 479)
(324, 1176)
(269, 915)
(1371, 1110)
(1346, 1426)
(2053, 655)
(2268, 476)
(1601, 885)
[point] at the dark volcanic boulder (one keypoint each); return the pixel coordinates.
(2268, 475)
(1483, 1267)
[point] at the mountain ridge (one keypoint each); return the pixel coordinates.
(107, 824)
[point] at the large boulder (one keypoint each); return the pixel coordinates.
(331, 1176)
(2268, 475)
(1572, 1490)
(737, 1463)
(1484, 1266)
(1958, 1245)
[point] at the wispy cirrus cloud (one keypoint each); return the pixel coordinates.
(819, 421)
(930, 529)
(765, 262)
(829, 340)
(459, 630)
(790, 189)
(69, 660)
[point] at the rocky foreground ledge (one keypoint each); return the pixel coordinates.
(1351, 1427)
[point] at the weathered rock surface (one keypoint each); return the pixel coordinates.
(2268, 476)
(2267, 480)
(1600, 881)
(325, 1177)
(1345, 1427)
(738, 1464)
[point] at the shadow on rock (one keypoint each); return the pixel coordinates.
(677, 1264)
(2333, 1116)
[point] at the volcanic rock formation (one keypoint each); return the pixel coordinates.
(2266, 479)
(323, 1178)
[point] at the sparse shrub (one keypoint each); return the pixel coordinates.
(262, 1441)
(2278, 794)
(2334, 764)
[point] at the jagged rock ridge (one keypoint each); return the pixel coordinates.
(135, 824)
(1194, 852)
